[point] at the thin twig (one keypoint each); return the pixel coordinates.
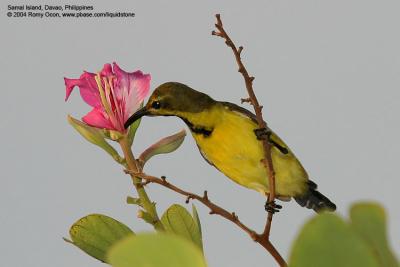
(267, 161)
(214, 209)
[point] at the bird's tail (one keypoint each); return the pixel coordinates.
(313, 199)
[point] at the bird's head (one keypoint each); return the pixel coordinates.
(173, 99)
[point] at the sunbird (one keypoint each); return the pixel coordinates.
(229, 138)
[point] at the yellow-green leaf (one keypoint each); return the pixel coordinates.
(165, 145)
(155, 250)
(328, 241)
(95, 136)
(369, 221)
(132, 130)
(96, 233)
(177, 220)
(197, 221)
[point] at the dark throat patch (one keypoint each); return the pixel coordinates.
(198, 129)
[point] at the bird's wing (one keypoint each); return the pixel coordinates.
(241, 110)
(273, 139)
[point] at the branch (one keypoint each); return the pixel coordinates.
(214, 209)
(267, 161)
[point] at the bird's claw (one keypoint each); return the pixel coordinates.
(265, 134)
(272, 207)
(262, 133)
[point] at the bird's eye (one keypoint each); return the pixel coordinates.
(156, 105)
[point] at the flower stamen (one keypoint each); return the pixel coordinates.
(110, 94)
(104, 101)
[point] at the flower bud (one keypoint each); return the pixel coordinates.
(145, 216)
(163, 146)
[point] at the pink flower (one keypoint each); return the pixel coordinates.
(113, 93)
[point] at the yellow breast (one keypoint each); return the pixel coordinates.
(233, 148)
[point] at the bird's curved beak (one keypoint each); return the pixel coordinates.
(137, 115)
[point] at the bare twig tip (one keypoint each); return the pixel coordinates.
(205, 195)
(145, 182)
(217, 33)
(245, 100)
(235, 217)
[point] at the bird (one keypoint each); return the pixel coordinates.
(229, 138)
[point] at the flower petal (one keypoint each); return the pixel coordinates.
(140, 85)
(130, 89)
(129, 81)
(69, 86)
(97, 118)
(87, 88)
(107, 70)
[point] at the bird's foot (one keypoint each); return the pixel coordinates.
(271, 206)
(262, 133)
(265, 134)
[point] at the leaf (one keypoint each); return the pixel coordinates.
(96, 233)
(197, 220)
(166, 145)
(369, 221)
(155, 250)
(95, 136)
(328, 241)
(177, 220)
(133, 128)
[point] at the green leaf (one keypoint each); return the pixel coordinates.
(155, 250)
(133, 128)
(176, 219)
(132, 131)
(95, 136)
(369, 221)
(96, 233)
(166, 145)
(328, 241)
(197, 220)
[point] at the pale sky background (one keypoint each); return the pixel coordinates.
(327, 72)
